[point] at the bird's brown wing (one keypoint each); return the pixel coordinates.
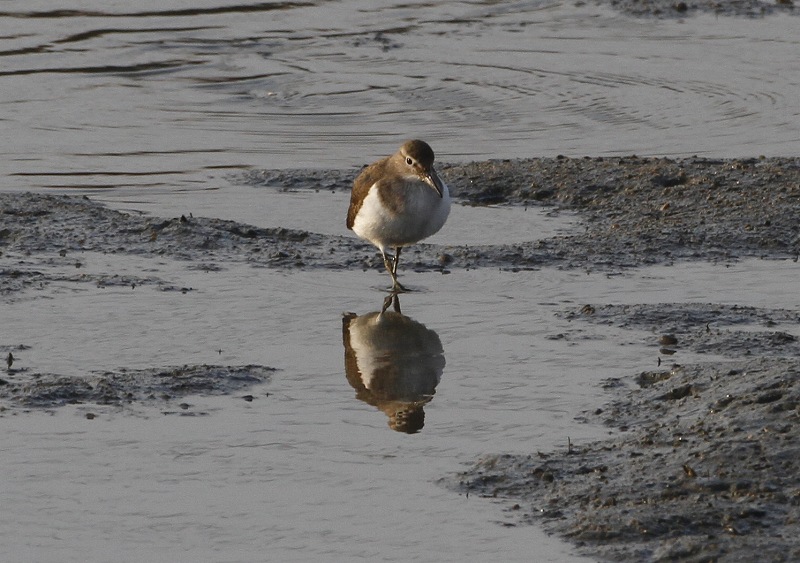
(361, 186)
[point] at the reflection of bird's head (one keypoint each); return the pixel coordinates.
(410, 418)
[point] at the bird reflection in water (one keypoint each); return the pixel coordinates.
(393, 362)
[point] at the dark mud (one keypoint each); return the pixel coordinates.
(19, 278)
(36, 223)
(684, 8)
(640, 211)
(162, 387)
(704, 459)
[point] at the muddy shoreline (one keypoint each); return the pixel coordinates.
(703, 461)
(633, 212)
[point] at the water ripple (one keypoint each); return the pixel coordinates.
(257, 84)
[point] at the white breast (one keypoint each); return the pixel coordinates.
(425, 213)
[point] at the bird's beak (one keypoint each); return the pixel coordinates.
(432, 179)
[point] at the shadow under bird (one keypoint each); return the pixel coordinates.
(398, 201)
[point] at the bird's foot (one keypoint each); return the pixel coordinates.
(398, 287)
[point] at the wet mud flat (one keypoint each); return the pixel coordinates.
(704, 459)
(634, 211)
(166, 388)
(684, 8)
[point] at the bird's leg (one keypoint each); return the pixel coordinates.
(396, 285)
(391, 299)
(388, 262)
(391, 266)
(396, 303)
(387, 301)
(396, 261)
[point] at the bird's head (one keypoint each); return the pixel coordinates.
(417, 158)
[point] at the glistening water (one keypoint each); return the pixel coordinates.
(172, 94)
(157, 105)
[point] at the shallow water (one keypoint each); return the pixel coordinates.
(307, 470)
(325, 213)
(178, 94)
(153, 109)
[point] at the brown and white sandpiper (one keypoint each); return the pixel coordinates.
(397, 201)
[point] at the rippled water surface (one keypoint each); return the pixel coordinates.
(177, 93)
(162, 104)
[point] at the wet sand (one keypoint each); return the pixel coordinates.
(702, 461)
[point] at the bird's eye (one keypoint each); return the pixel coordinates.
(409, 161)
